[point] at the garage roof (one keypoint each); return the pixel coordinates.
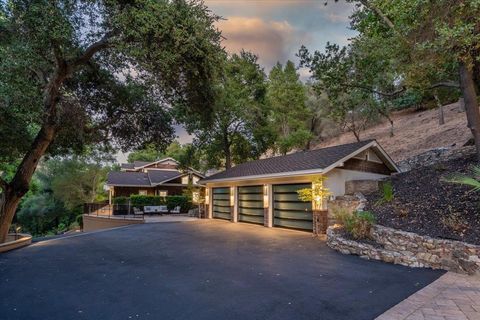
(304, 161)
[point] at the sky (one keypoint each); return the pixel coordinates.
(276, 29)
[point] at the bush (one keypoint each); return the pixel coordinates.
(387, 193)
(358, 224)
(79, 220)
(120, 200)
(137, 200)
(182, 201)
(170, 201)
(341, 214)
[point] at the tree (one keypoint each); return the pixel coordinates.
(438, 34)
(286, 96)
(357, 83)
(187, 154)
(74, 73)
(60, 187)
(240, 129)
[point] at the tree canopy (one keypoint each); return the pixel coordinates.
(74, 73)
(287, 96)
(240, 129)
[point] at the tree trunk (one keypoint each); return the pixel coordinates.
(228, 159)
(441, 116)
(467, 86)
(19, 185)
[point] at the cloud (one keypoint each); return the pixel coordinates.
(335, 17)
(272, 41)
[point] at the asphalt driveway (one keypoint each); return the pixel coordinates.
(198, 270)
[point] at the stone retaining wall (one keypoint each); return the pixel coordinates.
(410, 249)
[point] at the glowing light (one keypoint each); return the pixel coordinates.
(265, 196)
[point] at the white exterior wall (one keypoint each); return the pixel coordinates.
(337, 178)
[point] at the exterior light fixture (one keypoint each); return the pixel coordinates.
(232, 198)
(265, 196)
(207, 195)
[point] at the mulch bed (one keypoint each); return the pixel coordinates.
(426, 205)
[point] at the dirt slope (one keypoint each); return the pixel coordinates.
(415, 132)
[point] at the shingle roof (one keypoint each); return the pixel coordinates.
(127, 166)
(141, 179)
(159, 176)
(128, 179)
(299, 161)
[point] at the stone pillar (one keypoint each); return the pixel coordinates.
(320, 222)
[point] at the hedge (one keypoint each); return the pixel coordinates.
(138, 200)
(120, 200)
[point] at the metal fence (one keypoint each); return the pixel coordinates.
(125, 211)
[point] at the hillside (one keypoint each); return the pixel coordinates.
(414, 133)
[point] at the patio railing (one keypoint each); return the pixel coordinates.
(106, 210)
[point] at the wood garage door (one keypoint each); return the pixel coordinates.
(221, 203)
(288, 210)
(250, 204)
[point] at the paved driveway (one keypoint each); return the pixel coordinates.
(198, 270)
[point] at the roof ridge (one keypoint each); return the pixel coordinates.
(306, 151)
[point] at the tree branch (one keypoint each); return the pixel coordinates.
(378, 12)
(92, 49)
(448, 84)
(384, 94)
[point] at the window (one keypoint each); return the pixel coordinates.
(195, 180)
(185, 180)
(162, 193)
(142, 192)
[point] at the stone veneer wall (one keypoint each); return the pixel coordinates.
(411, 250)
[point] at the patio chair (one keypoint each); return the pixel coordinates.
(175, 210)
(137, 211)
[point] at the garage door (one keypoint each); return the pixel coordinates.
(288, 210)
(221, 203)
(250, 204)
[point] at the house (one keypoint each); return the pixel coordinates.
(161, 178)
(265, 191)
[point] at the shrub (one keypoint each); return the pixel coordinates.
(387, 193)
(120, 200)
(182, 201)
(79, 220)
(341, 214)
(137, 200)
(358, 224)
(472, 181)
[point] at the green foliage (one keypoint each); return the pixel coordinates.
(472, 181)
(317, 193)
(79, 220)
(137, 200)
(387, 193)
(183, 202)
(240, 128)
(170, 201)
(120, 200)
(58, 191)
(286, 96)
(357, 224)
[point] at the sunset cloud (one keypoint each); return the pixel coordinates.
(272, 41)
